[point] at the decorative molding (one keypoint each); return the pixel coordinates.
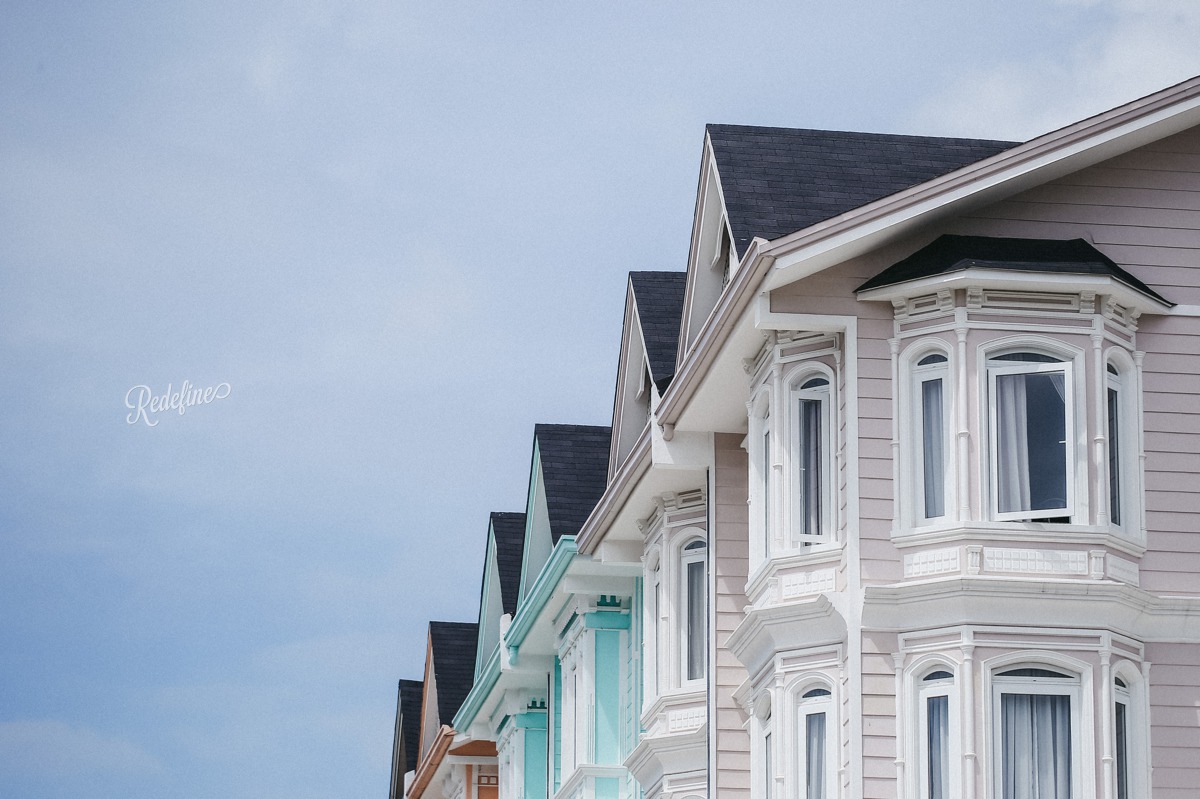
(807, 583)
(1035, 561)
(1123, 570)
(932, 562)
(686, 719)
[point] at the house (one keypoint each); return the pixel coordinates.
(901, 489)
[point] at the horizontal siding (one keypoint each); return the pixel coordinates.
(1174, 719)
(879, 713)
(729, 542)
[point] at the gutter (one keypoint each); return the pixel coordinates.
(539, 594)
(431, 761)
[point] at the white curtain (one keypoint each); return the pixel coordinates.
(933, 448)
(1012, 426)
(814, 756)
(1036, 734)
(938, 720)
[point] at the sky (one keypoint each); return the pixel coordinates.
(389, 238)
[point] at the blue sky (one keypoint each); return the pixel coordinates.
(399, 233)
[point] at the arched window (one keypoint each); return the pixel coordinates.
(811, 462)
(1036, 732)
(693, 560)
(816, 734)
(935, 741)
(931, 450)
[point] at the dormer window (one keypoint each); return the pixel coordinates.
(720, 263)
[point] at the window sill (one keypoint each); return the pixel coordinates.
(795, 573)
(680, 711)
(1020, 533)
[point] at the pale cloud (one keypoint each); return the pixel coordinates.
(1139, 48)
(54, 748)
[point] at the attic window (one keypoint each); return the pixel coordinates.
(721, 259)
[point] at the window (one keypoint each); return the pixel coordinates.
(693, 561)
(1031, 412)
(811, 462)
(1036, 737)
(930, 382)
(1114, 401)
(813, 736)
(935, 740)
(1121, 736)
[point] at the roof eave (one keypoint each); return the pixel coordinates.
(1044, 158)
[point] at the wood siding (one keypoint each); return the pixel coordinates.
(1174, 719)
(729, 540)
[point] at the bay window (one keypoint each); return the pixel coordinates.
(1032, 418)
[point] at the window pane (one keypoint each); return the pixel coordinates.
(938, 719)
(1114, 457)
(1036, 743)
(768, 777)
(1031, 450)
(695, 620)
(814, 756)
(1122, 752)
(933, 448)
(809, 459)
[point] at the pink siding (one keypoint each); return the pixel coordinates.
(879, 716)
(1175, 719)
(729, 542)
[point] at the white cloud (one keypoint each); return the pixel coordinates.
(51, 747)
(1133, 48)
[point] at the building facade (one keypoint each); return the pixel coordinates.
(899, 497)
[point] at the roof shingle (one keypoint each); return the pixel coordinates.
(452, 647)
(659, 298)
(574, 462)
(779, 180)
(509, 529)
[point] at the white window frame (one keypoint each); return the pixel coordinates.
(927, 689)
(806, 707)
(826, 395)
(685, 558)
(654, 626)
(1129, 445)
(1081, 730)
(910, 418)
(1137, 730)
(1070, 365)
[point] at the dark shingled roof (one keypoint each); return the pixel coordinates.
(453, 652)
(575, 471)
(509, 529)
(659, 298)
(780, 180)
(956, 253)
(410, 722)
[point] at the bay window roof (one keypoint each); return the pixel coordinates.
(951, 255)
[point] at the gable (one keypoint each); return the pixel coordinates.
(649, 341)
(452, 655)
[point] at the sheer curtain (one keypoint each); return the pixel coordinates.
(938, 720)
(1036, 734)
(814, 756)
(1012, 425)
(933, 448)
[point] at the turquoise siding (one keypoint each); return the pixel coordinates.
(608, 697)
